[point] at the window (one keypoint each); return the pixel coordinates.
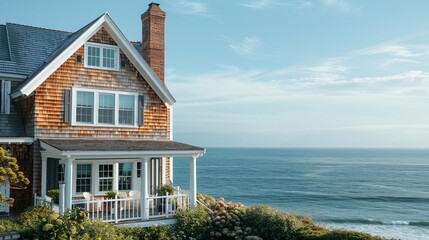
(105, 177)
(84, 107)
(83, 178)
(105, 108)
(126, 109)
(5, 97)
(101, 56)
(61, 173)
(139, 169)
(125, 170)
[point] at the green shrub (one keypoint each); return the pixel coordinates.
(10, 226)
(190, 223)
(55, 195)
(268, 223)
(111, 195)
(140, 233)
(315, 232)
(99, 230)
(164, 189)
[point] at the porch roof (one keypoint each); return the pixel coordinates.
(115, 147)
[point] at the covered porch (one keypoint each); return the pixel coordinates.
(87, 171)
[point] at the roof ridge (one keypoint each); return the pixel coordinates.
(44, 28)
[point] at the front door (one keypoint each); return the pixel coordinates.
(4, 207)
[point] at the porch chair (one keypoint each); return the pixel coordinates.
(92, 206)
(135, 195)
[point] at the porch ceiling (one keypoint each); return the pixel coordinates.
(115, 148)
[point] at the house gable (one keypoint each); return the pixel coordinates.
(75, 41)
(48, 97)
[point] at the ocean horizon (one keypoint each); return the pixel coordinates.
(381, 191)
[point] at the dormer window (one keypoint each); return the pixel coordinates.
(105, 108)
(101, 56)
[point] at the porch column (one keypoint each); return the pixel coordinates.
(145, 190)
(44, 174)
(163, 171)
(69, 182)
(193, 182)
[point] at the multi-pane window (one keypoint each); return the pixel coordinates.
(103, 107)
(83, 178)
(108, 58)
(61, 173)
(139, 169)
(125, 172)
(126, 109)
(93, 56)
(105, 177)
(102, 56)
(106, 108)
(84, 107)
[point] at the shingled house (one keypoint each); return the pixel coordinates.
(91, 109)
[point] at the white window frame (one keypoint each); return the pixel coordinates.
(95, 108)
(5, 97)
(101, 47)
(95, 177)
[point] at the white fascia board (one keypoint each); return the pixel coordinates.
(18, 140)
(59, 60)
(126, 154)
(13, 76)
(138, 62)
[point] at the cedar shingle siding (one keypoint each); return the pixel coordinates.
(49, 100)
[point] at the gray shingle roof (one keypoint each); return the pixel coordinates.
(27, 47)
(56, 51)
(118, 145)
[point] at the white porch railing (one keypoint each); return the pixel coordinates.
(126, 209)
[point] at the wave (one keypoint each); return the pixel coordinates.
(377, 222)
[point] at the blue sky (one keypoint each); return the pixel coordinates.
(278, 73)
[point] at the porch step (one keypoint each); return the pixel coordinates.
(148, 223)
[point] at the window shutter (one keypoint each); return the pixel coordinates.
(141, 110)
(5, 97)
(67, 106)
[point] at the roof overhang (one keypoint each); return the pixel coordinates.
(17, 140)
(136, 59)
(108, 149)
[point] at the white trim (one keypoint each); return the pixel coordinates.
(129, 50)
(101, 47)
(122, 154)
(11, 75)
(19, 140)
(95, 108)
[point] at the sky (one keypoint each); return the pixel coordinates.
(279, 73)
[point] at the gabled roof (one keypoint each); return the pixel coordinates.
(73, 42)
(23, 48)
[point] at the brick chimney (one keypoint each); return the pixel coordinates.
(153, 21)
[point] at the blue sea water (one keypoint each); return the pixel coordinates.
(380, 191)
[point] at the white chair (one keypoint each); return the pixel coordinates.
(135, 195)
(92, 206)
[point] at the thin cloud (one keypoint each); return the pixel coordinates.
(338, 5)
(191, 7)
(247, 46)
(262, 4)
(396, 50)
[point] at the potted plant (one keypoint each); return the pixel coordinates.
(55, 195)
(162, 191)
(110, 195)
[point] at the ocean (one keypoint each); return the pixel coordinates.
(384, 192)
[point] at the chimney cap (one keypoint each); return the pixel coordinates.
(153, 3)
